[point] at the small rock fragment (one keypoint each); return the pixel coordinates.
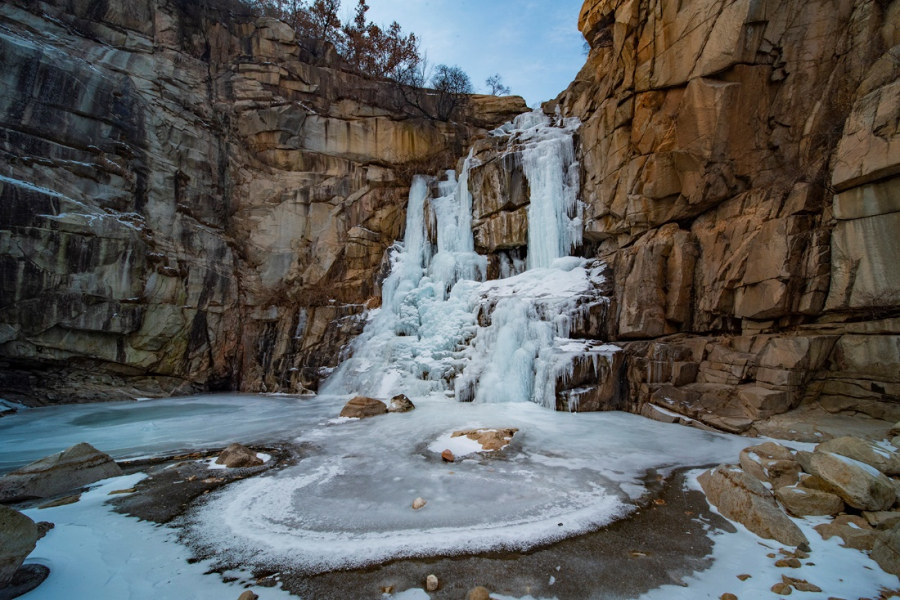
(125, 491)
(431, 583)
(854, 531)
(418, 503)
(400, 404)
(743, 577)
(448, 456)
(248, 595)
(479, 593)
(782, 589)
(788, 563)
(801, 585)
(388, 589)
(727, 596)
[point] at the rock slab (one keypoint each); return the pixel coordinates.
(858, 484)
(78, 466)
(743, 498)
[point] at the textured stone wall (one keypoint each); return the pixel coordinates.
(192, 201)
(741, 167)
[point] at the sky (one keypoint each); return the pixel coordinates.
(534, 45)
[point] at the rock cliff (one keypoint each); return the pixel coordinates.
(741, 171)
(192, 200)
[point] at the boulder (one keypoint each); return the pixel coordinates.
(858, 484)
(237, 456)
(855, 532)
(362, 407)
(802, 502)
(479, 593)
(864, 451)
(489, 439)
(248, 595)
(882, 519)
(18, 537)
(886, 550)
(743, 498)
(76, 467)
(771, 462)
(400, 404)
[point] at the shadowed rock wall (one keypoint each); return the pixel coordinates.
(191, 200)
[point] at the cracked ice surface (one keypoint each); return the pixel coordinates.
(348, 503)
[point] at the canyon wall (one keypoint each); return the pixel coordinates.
(741, 171)
(191, 200)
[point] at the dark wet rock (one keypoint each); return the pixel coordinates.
(362, 407)
(237, 456)
(71, 469)
(400, 404)
(18, 537)
(27, 578)
(44, 527)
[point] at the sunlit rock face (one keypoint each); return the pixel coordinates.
(193, 201)
(740, 176)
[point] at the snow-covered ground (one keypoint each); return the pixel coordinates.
(347, 503)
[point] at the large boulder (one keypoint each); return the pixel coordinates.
(78, 466)
(864, 451)
(362, 407)
(743, 498)
(801, 502)
(771, 462)
(236, 456)
(858, 484)
(18, 537)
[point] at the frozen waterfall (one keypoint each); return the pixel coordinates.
(441, 327)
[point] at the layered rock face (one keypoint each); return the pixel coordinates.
(192, 200)
(741, 174)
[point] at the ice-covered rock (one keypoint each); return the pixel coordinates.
(18, 537)
(743, 498)
(75, 467)
(488, 439)
(771, 462)
(237, 456)
(362, 407)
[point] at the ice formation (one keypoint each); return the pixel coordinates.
(443, 328)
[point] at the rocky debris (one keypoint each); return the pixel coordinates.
(489, 439)
(18, 537)
(743, 498)
(801, 585)
(771, 462)
(865, 452)
(855, 531)
(248, 595)
(237, 456)
(801, 502)
(73, 468)
(788, 563)
(362, 407)
(431, 583)
(859, 485)
(400, 404)
(886, 550)
(418, 503)
(478, 593)
(447, 456)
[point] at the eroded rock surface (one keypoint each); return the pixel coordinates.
(18, 537)
(362, 407)
(73, 468)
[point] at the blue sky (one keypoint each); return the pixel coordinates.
(534, 44)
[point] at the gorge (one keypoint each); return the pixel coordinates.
(692, 247)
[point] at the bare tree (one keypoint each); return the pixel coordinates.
(495, 85)
(452, 85)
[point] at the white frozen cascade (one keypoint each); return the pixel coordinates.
(442, 327)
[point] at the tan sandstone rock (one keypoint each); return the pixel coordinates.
(489, 439)
(800, 501)
(864, 451)
(73, 468)
(858, 484)
(362, 407)
(771, 462)
(855, 531)
(886, 550)
(237, 456)
(742, 498)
